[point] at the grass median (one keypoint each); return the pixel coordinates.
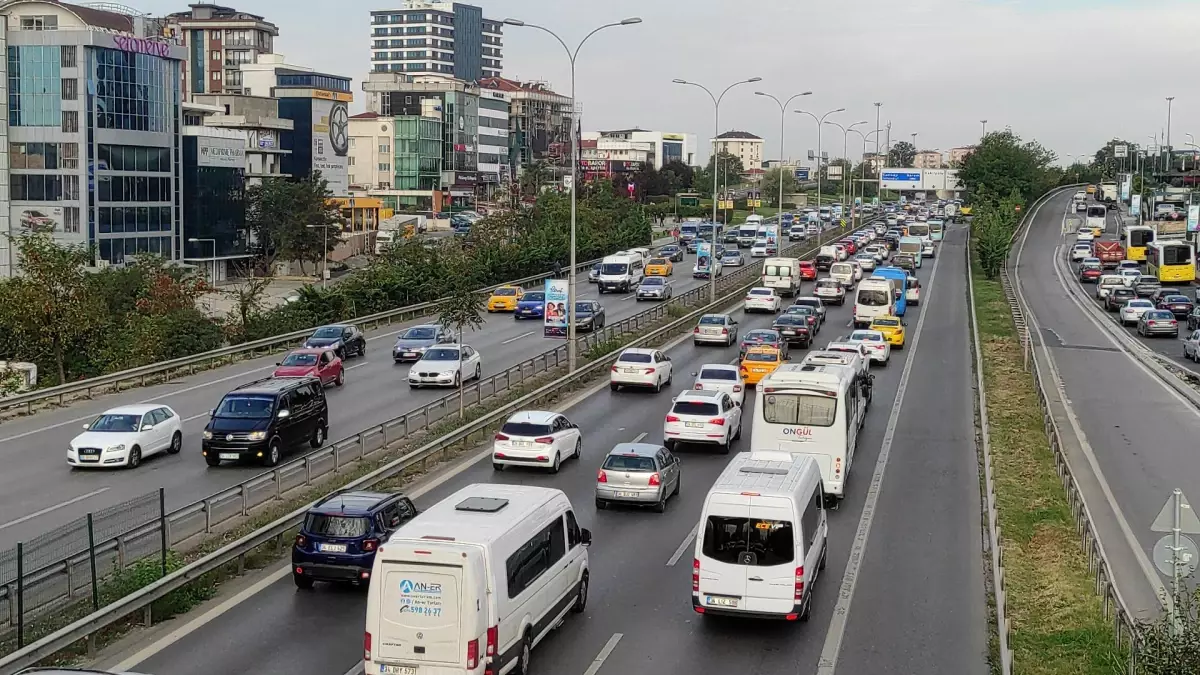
(1058, 625)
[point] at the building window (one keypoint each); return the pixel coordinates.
(350, 161)
(239, 38)
(36, 187)
(49, 22)
(233, 78)
(44, 155)
(133, 158)
(34, 79)
(384, 166)
(135, 92)
(216, 76)
(385, 148)
(236, 57)
(133, 188)
(70, 121)
(350, 179)
(214, 55)
(71, 219)
(70, 89)
(67, 56)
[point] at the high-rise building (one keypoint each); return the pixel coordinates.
(90, 144)
(218, 40)
(539, 121)
(436, 36)
(495, 163)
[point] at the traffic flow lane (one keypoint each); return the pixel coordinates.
(376, 390)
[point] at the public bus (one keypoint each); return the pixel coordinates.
(1097, 216)
(919, 230)
(1137, 238)
(936, 229)
(1171, 262)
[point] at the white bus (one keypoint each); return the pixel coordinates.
(1097, 216)
(815, 411)
(875, 297)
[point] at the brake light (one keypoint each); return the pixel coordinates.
(648, 371)
(601, 477)
(798, 595)
(501, 437)
(493, 633)
(695, 574)
(719, 421)
(655, 480)
(301, 540)
(1151, 323)
(724, 331)
(613, 369)
(370, 545)
(366, 646)
(673, 418)
(696, 329)
(699, 387)
(545, 440)
(473, 654)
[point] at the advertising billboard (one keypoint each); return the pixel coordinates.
(900, 179)
(1126, 180)
(1120, 151)
(1135, 205)
(331, 143)
(37, 218)
(224, 153)
(556, 313)
(1193, 218)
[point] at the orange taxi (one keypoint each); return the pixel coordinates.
(760, 362)
(659, 267)
(505, 299)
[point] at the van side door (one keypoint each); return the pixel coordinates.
(812, 535)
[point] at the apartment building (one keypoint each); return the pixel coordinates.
(741, 144)
(539, 121)
(928, 159)
(218, 41)
(436, 36)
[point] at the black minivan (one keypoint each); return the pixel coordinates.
(262, 420)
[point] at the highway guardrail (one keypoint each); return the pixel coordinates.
(188, 365)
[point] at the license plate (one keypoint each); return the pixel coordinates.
(789, 332)
(331, 548)
(630, 371)
(694, 425)
(228, 455)
(410, 354)
(721, 601)
(630, 495)
(385, 669)
(522, 444)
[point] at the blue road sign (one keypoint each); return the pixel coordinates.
(801, 174)
(902, 176)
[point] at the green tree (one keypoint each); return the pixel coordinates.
(902, 154)
(1004, 164)
(770, 185)
(1105, 159)
(992, 228)
(293, 219)
(729, 168)
(463, 305)
(248, 300)
(533, 176)
(678, 176)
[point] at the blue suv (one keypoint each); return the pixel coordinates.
(341, 534)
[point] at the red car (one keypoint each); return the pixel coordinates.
(322, 363)
(1090, 275)
(808, 270)
(851, 247)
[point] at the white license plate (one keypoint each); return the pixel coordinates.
(385, 669)
(228, 455)
(630, 495)
(719, 601)
(630, 371)
(694, 425)
(522, 444)
(331, 548)
(413, 354)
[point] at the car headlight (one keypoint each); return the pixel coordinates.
(446, 373)
(256, 435)
(120, 447)
(207, 435)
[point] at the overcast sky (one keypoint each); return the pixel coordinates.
(1069, 73)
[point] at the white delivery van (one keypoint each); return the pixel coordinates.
(747, 233)
(844, 272)
(644, 252)
(621, 272)
(782, 274)
(815, 410)
(873, 299)
(761, 541)
(473, 584)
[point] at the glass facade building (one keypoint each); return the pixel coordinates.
(214, 207)
(35, 86)
(135, 92)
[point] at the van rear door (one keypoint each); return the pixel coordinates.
(722, 578)
(421, 606)
(774, 539)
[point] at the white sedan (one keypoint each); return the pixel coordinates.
(536, 438)
(123, 436)
(722, 377)
(1133, 310)
(640, 367)
(1080, 251)
(878, 348)
(446, 366)
(761, 299)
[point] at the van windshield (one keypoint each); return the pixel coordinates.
(614, 268)
(335, 526)
(755, 542)
(255, 407)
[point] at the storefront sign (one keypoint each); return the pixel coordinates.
(333, 95)
(132, 44)
(227, 153)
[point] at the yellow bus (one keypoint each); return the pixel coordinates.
(1137, 238)
(1172, 262)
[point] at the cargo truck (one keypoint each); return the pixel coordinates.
(1110, 253)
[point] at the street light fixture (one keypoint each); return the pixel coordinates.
(782, 116)
(820, 127)
(845, 155)
(213, 261)
(572, 55)
(712, 286)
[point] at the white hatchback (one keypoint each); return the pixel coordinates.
(703, 416)
(640, 367)
(761, 299)
(536, 438)
(123, 436)
(721, 377)
(878, 348)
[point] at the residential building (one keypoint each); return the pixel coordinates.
(371, 160)
(495, 161)
(663, 147)
(957, 155)
(602, 157)
(317, 104)
(257, 119)
(741, 144)
(928, 159)
(214, 201)
(875, 161)
(90, 147)
(436, 36)
(539, 121)
(218, 41)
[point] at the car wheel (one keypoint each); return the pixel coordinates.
(273, 453)
(176, 443)
(578, 454)
(601, 504)
(478, 372)
(554, 468)
(318, 436)
(457, 380)
(581, 599)
(341, 378)
(135, 458)
(362, 348)
(658, 385)
(302, 582)
(523, 660)
(212, 460)
(737, 433)
(661, 505)
(614, 387)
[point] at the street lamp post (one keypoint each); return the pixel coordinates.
(712, 268)
(572, 55)
(845, 155)
(782, 116)
(1170, 100)
(212, 272)
(862, 186)
(984, 123)
(878, 107)
(820, 127)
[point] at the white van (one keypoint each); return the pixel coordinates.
(644, 252)
(912, 291)
(782, 274)
(762, 539)
(815, 410)
(473, 584)
(875, 297)
(621, 272)
(845, 272)
(747, 233)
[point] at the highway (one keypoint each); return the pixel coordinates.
(1136, 430)
(905, 566)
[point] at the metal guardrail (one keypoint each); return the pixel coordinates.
(1125, 627)
(430, 453)
(62, 582)
(187, 365)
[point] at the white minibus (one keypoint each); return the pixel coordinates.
(874, 298)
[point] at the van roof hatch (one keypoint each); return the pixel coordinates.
(481, 504)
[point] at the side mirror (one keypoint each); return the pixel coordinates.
(212, 413)
(86, 426)
(585, 536)
(147, 427)
(279, 363)
(283, 414)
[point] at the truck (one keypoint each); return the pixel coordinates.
(1110, 253)
(1108, 192)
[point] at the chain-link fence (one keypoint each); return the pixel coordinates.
(69, 563)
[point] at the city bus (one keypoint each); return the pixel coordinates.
(1171, 262)
(936, 229)
(1137, 238)
(918, 230)
(1097, 216)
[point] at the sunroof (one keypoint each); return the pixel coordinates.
(481, 504)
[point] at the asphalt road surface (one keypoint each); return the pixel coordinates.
(905, 565)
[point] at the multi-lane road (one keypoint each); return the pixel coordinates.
(903, 592)
(1135, 431)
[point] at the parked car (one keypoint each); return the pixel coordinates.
(341, 533)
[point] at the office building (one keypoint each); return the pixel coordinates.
(90, 144)
(257, 120)
(662, 147)
(495, 160)
(436, 36)
(214, 201)
(741, 144)
(928, 159)
(371, 157)
(539, 121)
(218, 41)
(317, 104)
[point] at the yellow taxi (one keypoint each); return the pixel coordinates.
(892, 328)
(1097, 231)
(505, 299)
(659, 267)
(760, 362)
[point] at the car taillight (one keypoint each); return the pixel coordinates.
(545, 440)
(493, 638)
(696, 329)
(798, 595)
(724, 331)
(655, 480)
(473, 654)
(613, 369)
(695, 574)
(648, 371)
(366, 646)
(301, 540)
(672, 418)
(1174, 322)
(699, 387)
(370, 545)
(719, 421)
(1151, 323)
(501, 437)
(601, 477)
(737, 387)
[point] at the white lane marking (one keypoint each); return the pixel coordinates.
(630, 297)
(56, 507)
(638, 438)
(687, 541)
(196, 417)
(604, 654)
(358, 365)
(841, 611)
(522, 335)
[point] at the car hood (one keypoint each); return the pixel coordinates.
(239, 424)
(102, 439)
(417, 343)
(321, 342)
(295, 371)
